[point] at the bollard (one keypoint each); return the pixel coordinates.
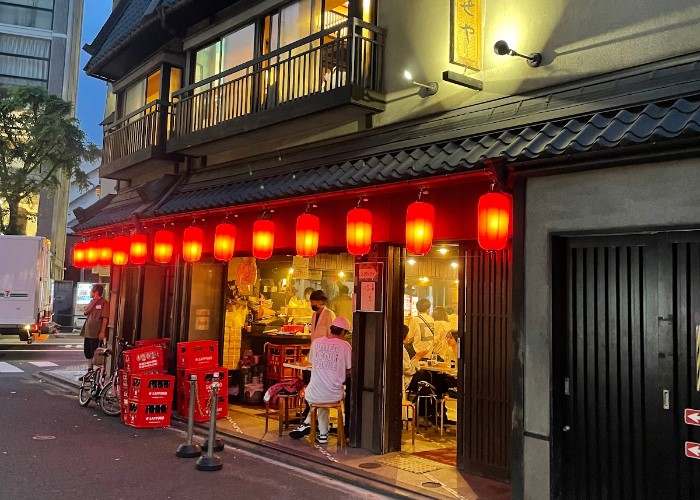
(190, 449)
(211, 462)
(218, 443)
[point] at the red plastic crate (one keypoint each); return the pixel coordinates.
(151, 388)
(201, 414)
(197, 354)
(145, 415)
(163, 343)
(145, 359)
(204, 389)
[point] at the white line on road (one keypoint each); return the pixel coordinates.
(41, 350)
(42, 364)
(8, 368)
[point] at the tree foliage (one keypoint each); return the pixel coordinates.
(40, 145)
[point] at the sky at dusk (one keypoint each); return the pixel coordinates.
(91, 91)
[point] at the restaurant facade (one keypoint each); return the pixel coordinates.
(254, 115)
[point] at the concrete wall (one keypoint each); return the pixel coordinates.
(632, 199)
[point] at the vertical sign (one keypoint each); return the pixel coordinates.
(465, 33)
(370, 277)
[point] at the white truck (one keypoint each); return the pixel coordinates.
(25, 286)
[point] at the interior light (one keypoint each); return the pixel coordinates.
(443, 251)
(454, 265)
(456, 282)
(411, 262)
(341, 274)
(291, 270)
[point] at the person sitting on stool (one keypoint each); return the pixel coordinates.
(331, 359)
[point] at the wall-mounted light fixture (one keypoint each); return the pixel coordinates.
(427, 89)
(501, 48)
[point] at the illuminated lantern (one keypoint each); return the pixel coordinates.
(263, 238)
(138, 249)
(92, 253)
(163, 243)
(79, 254)
(120, 250)
(359, 231)
(224, 241)
(494, 219)
(420, 221)
(192, 240)
(308, 227)
(104, 252)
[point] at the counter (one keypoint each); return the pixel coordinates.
(257, 340)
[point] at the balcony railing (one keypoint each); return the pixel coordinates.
(135, 132)
(350, 53)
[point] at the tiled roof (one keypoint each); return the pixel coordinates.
(215, 188)
(651, 123)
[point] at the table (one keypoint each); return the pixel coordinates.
(297, 367)
(440, 368)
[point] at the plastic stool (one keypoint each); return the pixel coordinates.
(340, 442)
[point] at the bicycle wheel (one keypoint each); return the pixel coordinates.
(84, 396)
(109, 400)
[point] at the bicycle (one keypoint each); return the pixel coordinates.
(104, 390)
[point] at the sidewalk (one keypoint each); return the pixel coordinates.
(352, 467)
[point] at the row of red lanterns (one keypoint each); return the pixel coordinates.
(494, 212)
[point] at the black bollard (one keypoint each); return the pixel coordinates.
(218, 443)
(211, 462)
(190, 449)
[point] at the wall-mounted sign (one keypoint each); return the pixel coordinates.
(301, 267)
(370, 277)
(465, 33)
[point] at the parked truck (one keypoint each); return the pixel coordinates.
(25, 286)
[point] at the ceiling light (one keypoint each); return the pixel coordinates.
(411, 262)
(443, 251)
(454, 265)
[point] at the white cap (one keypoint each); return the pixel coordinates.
(343, 323)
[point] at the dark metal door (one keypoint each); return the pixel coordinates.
(622, 333)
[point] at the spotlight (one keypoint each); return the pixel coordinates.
(501, 48)
(427, 89)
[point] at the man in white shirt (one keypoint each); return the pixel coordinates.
(331, 359)
(421, 330)
(322, 316)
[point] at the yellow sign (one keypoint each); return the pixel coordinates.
(465, 42)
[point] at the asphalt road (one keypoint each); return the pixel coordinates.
(51, 448)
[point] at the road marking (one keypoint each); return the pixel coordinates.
(41, 350)
(42, 364)
(8, 368)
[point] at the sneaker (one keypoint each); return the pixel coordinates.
(322, 438)
(89, 372)
(301, 431)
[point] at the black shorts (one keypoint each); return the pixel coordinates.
(90, 346)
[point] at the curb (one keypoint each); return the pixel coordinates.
(53, 379)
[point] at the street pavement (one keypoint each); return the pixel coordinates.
(51, 448)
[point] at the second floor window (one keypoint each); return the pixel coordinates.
(30, 13)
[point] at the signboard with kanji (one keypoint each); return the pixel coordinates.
(370, 278)
(465, 31)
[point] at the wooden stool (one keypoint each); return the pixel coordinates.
(282, 412)
(408, 404)
(341, 422)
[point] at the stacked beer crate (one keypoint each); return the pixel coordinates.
(146, 393)
(200, 358)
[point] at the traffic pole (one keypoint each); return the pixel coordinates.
(190, 449)
(211, 462)
(218, 443)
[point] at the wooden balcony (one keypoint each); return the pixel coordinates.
(334, 75)
(135, 139)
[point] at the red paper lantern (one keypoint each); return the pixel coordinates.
(359, 231)
(120, 250)
(494, 212)
(420, 222)
(79, 250)
(224, 241)
(138, 249)
(104, 252)
(308, 227)
(163, 243)
(92, 253)
(192, 240)
(263, 238)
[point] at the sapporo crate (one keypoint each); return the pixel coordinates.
(143, 359)
(155, 388)
(201, 408)
(143, 415)
(163, 343)
(197, 354)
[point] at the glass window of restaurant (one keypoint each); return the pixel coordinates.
(266, 322)
(430, 368)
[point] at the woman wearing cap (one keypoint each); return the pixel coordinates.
(331, 359)
(322, 317)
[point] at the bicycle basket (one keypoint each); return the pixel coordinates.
(99, 357)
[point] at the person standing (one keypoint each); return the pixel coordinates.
(342, 304)
(322, 316)
(331, 359)
(421, 330)
(94, 329)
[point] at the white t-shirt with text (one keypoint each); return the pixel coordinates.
(330, 358)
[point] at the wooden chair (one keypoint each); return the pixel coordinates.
(412, 406)
(341, 422)
(283, 408)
